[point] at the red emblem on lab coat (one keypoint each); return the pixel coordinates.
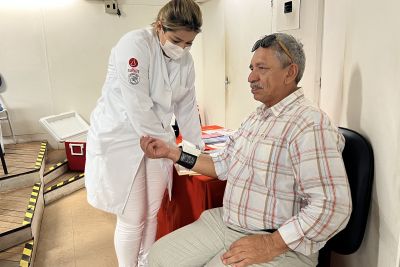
(133, 62)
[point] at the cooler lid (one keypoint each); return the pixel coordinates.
(65, 125)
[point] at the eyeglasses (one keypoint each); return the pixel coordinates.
(268, 41)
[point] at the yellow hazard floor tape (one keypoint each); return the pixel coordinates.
(26, 255)
(65, 182)
(32, 204)
(40, 156)
(55, 166)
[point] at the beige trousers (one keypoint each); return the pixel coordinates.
(204, 241)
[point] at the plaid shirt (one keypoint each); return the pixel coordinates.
(284, 170)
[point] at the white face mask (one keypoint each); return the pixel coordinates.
(174, 51)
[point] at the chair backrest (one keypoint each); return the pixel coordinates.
(359, 162)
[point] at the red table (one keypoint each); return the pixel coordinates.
(191, 195)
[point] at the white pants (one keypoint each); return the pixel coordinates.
(136, 228)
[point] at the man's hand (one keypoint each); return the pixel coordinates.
(254, 249)
(154, 148)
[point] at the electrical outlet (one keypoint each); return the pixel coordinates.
(111, 6)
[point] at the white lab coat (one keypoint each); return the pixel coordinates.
(142, 91)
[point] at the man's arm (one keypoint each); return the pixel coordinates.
(322, 181)
(155, 148)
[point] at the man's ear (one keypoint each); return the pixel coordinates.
(291, 74)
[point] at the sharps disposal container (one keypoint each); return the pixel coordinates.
(71, 129)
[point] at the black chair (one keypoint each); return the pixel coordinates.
(359, 162)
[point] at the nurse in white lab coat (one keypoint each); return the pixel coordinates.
(150, 77)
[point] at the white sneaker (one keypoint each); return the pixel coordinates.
(142, 260)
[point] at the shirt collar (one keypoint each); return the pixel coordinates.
(282, 105)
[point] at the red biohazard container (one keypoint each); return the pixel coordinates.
(75, 148)
(71, 129)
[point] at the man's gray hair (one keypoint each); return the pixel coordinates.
(287, 48)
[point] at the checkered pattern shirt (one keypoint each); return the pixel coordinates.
(284, 170)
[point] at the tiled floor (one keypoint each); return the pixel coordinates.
(74, 234)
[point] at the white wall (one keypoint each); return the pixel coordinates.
(364, 61)
(53, 55)
(212, 92)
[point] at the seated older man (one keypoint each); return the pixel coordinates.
(287, 191)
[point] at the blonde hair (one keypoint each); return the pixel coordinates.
(180, 15)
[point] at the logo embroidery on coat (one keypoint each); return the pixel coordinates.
(133, 62)
(134, 78)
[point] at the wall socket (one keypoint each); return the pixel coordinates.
(111, 6)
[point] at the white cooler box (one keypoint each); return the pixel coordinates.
(71, 129)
